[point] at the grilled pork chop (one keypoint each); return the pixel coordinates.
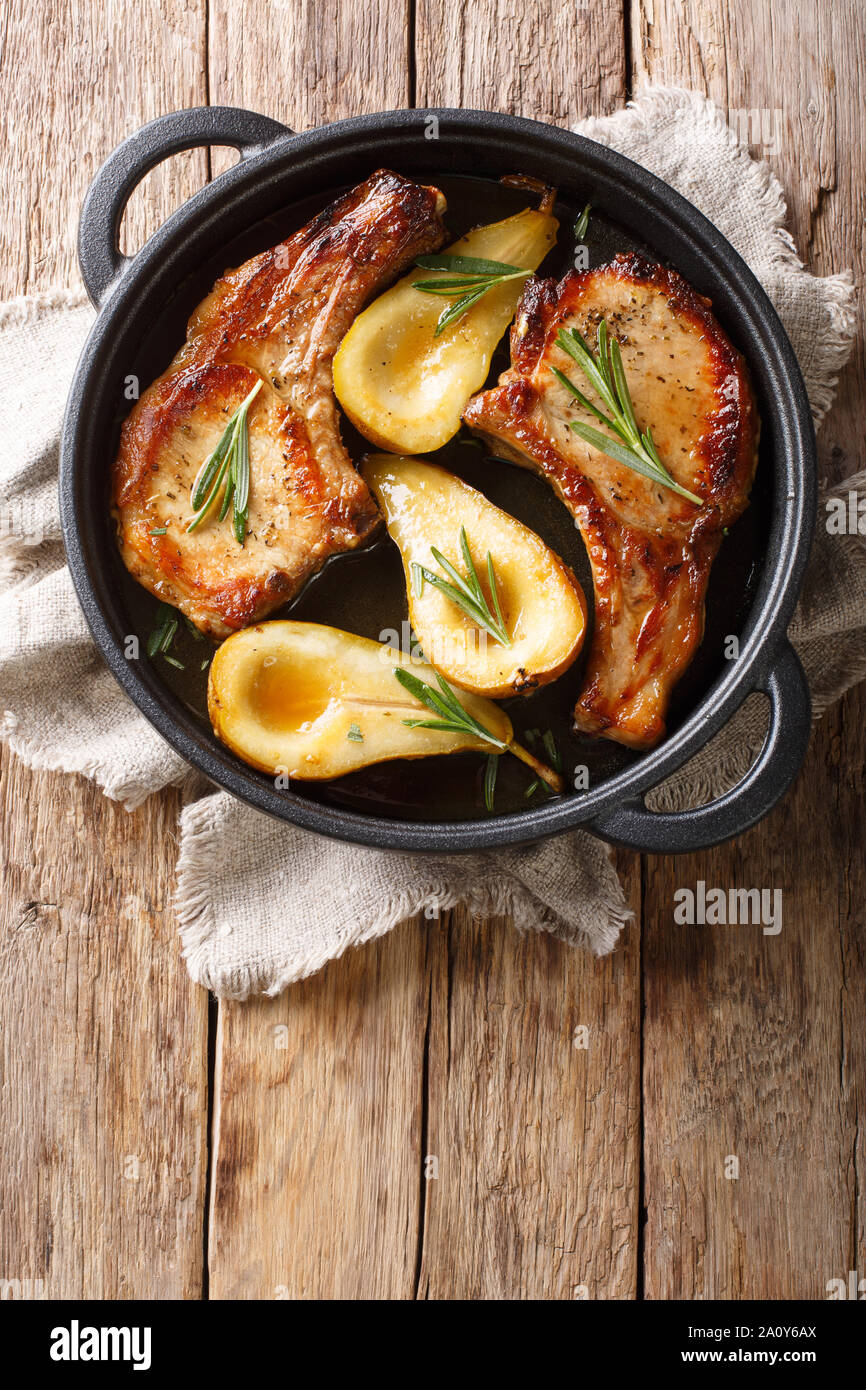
(280, 317)
(650, 549)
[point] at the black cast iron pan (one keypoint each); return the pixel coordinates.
(281, 180)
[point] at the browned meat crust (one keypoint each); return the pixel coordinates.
(650, 550)
(279, 317)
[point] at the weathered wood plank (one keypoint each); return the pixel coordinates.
(754, 1045)
(314, 61)
(315, 1187)
(102, 1135)
(104, 1050)
(75, 90)
(536, 1139)
(548, 61)
(532, 1139)
(317, 1131)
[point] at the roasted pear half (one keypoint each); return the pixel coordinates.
(404, 387)
(533, 604)
(312, 702)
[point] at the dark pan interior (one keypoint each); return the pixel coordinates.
(364, 592)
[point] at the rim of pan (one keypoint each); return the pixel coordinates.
(662, 214)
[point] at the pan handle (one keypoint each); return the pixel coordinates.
(99, 255)
(770, 776)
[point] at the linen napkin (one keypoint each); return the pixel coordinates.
(299, 900)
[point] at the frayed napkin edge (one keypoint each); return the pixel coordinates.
(507, 898)
(24, 309)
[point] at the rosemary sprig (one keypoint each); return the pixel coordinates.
(469, 280)
(606, 375)
(582, 223)
(466, 592)
(454, 718)
(229, 467)
(163, 633)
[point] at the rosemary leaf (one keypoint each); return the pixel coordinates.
(582, 223)
(470, 279)
(580, 397)
(594, 370)
(490, 770)
(227, 467)
(457, 310)
(491, 580)
(423, 692)
(463, 585)
(457, 596)
(606, 375)
(550, 748)
(454, 718)
(163, 633)
(465, 591)
(227, 498)
(211, 467)
(468, 265)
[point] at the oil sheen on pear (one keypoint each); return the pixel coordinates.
(313, 702)
(542, 603)
(403, 387)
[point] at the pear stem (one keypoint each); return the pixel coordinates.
(532, 185)
(541, 769)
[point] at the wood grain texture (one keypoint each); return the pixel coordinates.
(329, 1203)
(103, 1054)
(549, 61)
(78, 78)
(315, 1173)
(532, 1136)
(537, 1141)
(104, 1046)
(449, 1041)
(317, 1131)
(313, 61)
(754, 1045)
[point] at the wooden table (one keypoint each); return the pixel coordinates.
(153, 1145)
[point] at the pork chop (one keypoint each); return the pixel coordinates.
(650, 549)
(278, 319)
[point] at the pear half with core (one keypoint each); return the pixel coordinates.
(542, 604)
(312, 702)
(403, 387)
